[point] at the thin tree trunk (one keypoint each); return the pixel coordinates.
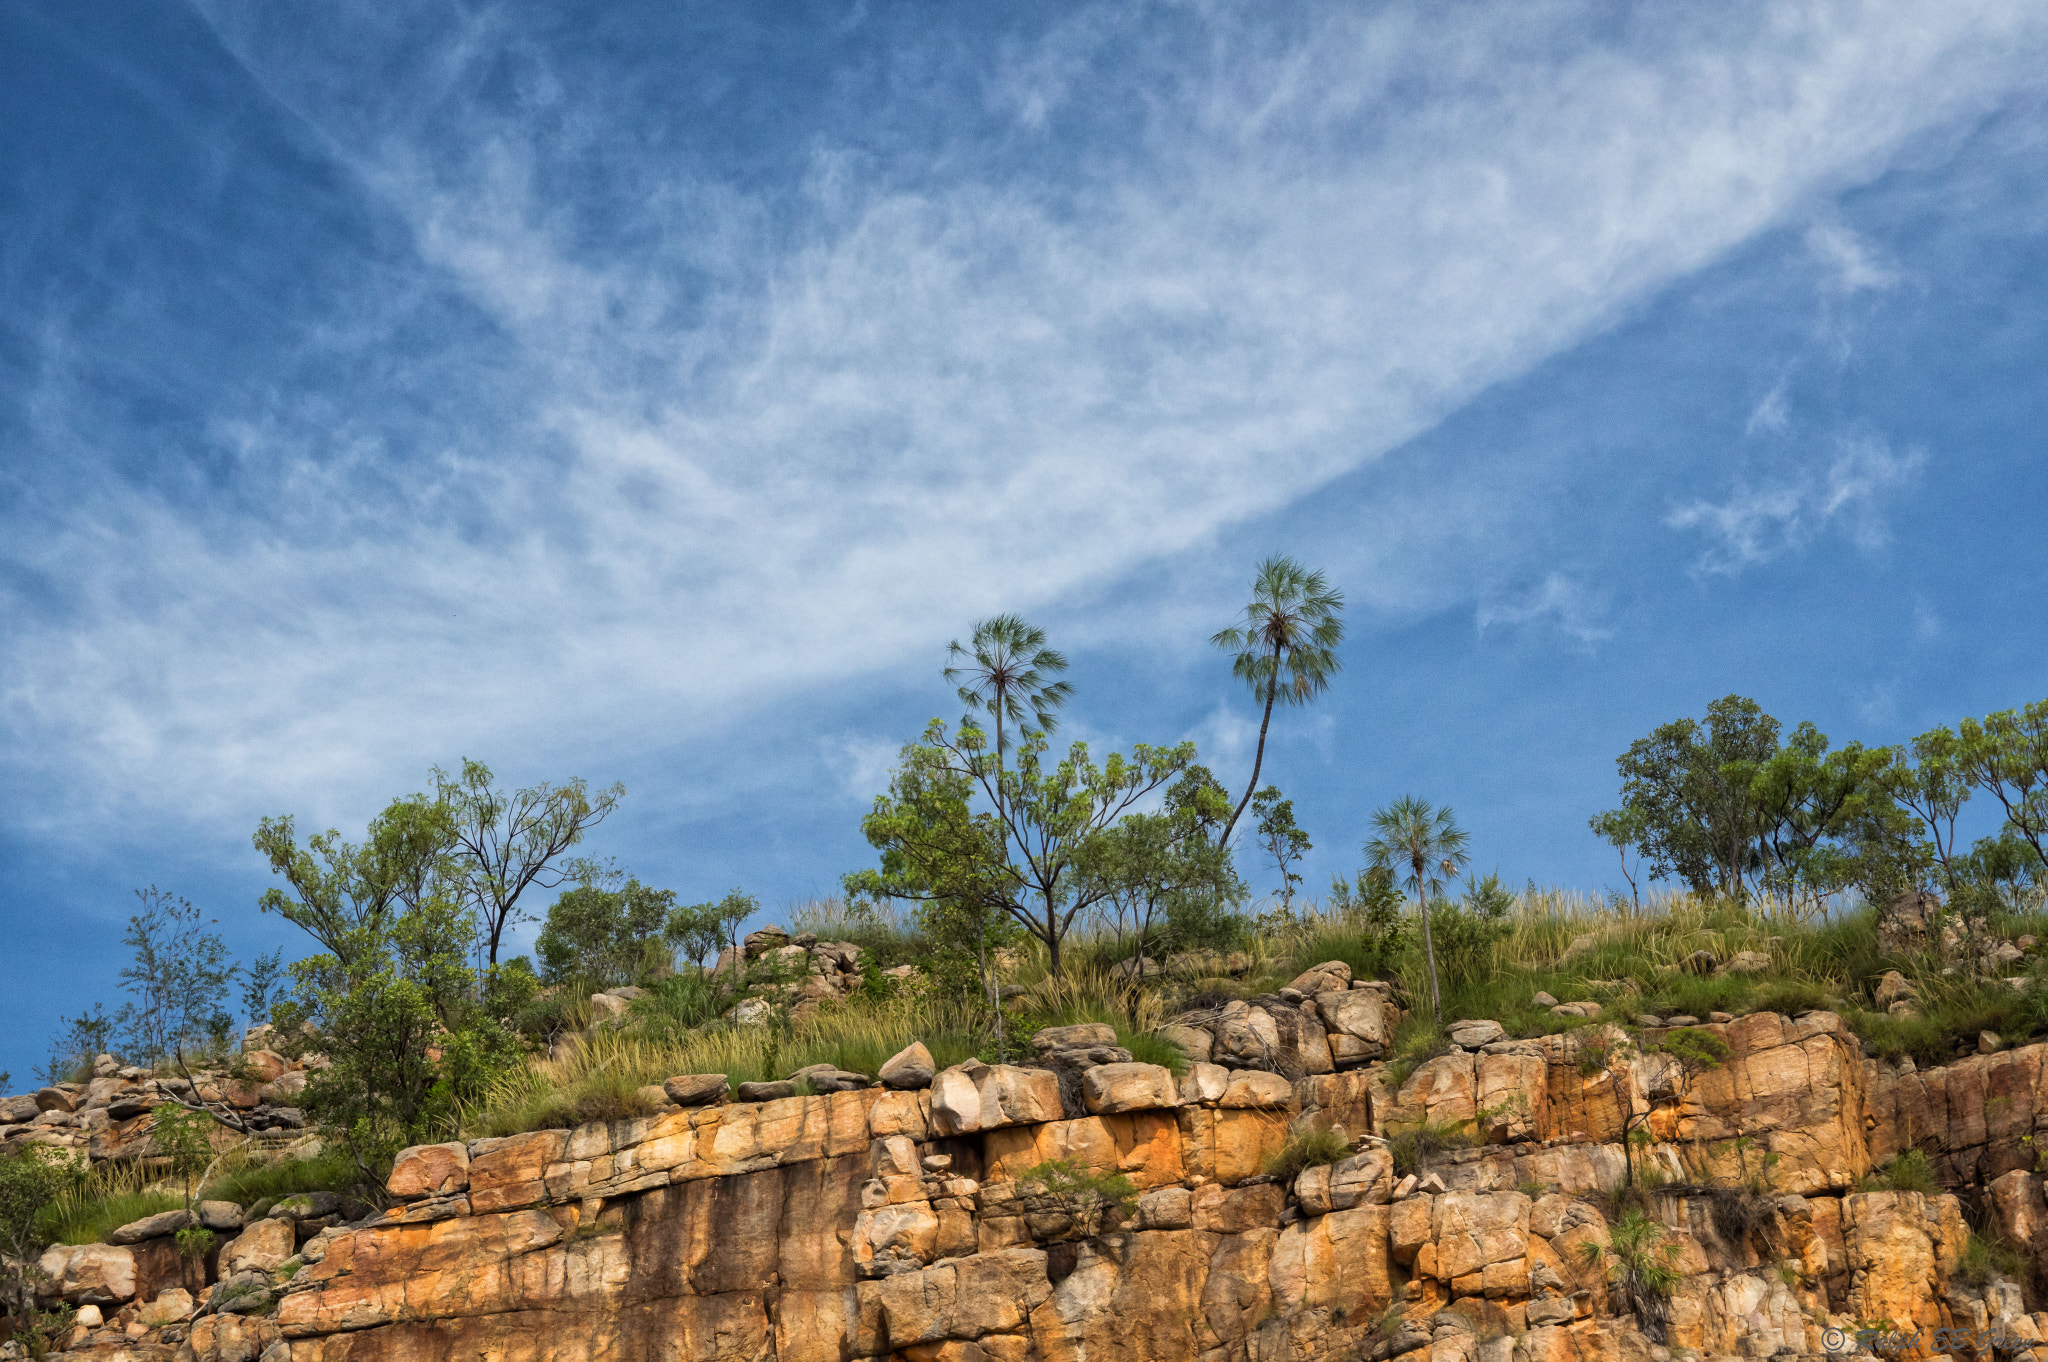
(1259, 757)
(1436, 999)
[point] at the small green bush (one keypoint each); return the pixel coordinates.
(1084, 1197)
(1414, 1148)
(194, 1241)
(1987, 1255)
(1909, 1172)
(1310, 1149)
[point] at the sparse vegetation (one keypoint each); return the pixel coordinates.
(1909, 1172)
(1086, 1199)
(1310, 1149)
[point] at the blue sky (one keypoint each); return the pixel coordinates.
(649, 393)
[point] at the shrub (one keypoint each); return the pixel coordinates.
(1085, 1198)
(194, 1241)
(1413, 1149)
(1909, 1172)
(1987, 1255)
(1639, 1265)
(1310, 1149)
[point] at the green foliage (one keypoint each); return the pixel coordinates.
(256, 1187)
(603, 933)
(177, 982)
(1909, 1172)
(1694, 1048)
(194, 1241)
(261, 981)
(1285, 649)
(1084, 1197)
(30, 1180)
(342, 894)
(2006, 756)
(1428, 845)
(1283, 842)
(399, 1016)
(1022, 857)
(1415, 1147)
(1161, 880)
(1640, 1267)
(1732, 812)
(78, 1041)
(184, 1137)
(1986, 1256)
(500, 843)
(1309, 1149)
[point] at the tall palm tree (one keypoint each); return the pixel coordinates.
(1286, 648)
(1428, 843)
(1006, 669)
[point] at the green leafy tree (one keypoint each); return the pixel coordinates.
(260, 981)
(404, 1025)
(505, 842)
(31, 1177)
(1284, 842)
(1930, 781)
(604, 935)
(1021, 855)
(1623, 829)
(1162, 876)
(1806, 799)
(1370, 904)
(1285, 649)
(2006, 756)
(1688, 786)
(78, 1041)
(1425, 842)
(343, 894)
(177, 981)
(696, 930)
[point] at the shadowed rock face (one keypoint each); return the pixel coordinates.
(892, 1224)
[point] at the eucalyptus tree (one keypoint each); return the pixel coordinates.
(1285, 648)
(1425, 841)
(503, 842)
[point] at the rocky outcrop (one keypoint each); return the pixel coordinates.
(913, 1223)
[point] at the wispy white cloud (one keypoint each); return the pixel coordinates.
(733, 448)
(1759, 523)
(1558, 601)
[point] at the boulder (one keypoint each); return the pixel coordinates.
(909, 1068)
(830, 1078)
(1701, 962)
(55, 1099)
(18, 1110)
(1193, 1041)
(265, 1066)
(1256, 1088)
(766, 1092)
(1542, 1000)
(1473, 1034)
(696, 1090)
(1365, 1014)
(752, 1012)
(1136, 967)
(971, 1097)
(1893, 987)
(170, 1307)
(1324, 978)
(429, 1170)
(305, 1206)
(605, 1007)
(152, 1227)
(90, 1274)
(1750, 962)
(220, 1215)
(1906, 923)
(1111, 1088)
(759, 943)
(259, 1248)
(1204, 1083)
(1073, 1037)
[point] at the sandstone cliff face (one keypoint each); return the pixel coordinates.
(892, 1224)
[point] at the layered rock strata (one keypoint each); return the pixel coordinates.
(899, 1223)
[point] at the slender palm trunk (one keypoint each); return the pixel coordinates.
(988, 980)
(1258, 757)
(1436, 997)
